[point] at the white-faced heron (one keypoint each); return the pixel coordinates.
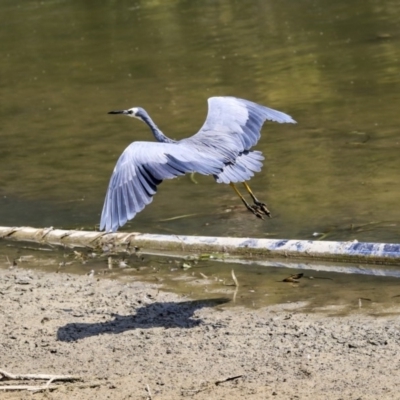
(222, 148)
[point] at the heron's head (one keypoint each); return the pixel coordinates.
(136, 112)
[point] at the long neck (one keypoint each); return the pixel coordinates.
(156, 132)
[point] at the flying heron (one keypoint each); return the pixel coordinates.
(222, 148)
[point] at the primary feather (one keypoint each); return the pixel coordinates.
(221, 148)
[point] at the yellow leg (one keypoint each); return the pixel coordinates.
(232, 185)
(250, 192)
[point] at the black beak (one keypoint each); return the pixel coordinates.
(118, 112)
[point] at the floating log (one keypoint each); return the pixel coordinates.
(226, 247)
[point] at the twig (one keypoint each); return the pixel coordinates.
(10, 376)
(4, 375)
(234, 278)
(177, 217)
(192, 178)
(29, 388)
(149, 391)
(48, 383)
(235, 294)
(232, 378)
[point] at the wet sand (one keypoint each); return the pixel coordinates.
(129, 340)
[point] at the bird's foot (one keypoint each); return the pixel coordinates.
(255, 209)
(262, 208)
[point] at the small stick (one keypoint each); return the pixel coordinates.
(11, 376)
(192, 178)
(235, 294)
(231, 378)
(29, 388)
(234, 278)
(149, 391)
(177, 217)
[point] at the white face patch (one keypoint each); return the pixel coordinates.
(132, 112)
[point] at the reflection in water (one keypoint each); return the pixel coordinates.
(333, 66)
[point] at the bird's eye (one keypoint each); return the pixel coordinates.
(130, 112)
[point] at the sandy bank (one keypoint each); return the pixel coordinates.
(128, 340)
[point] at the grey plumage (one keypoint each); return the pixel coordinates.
(221, 148)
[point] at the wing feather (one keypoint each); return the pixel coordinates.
(242, 169)
(231, 129)
(143, 166)
(233, 125)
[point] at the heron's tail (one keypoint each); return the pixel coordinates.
(244, 167)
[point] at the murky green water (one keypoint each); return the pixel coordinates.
(333, 66)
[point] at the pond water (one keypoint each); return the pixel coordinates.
(333, 66)
(325, 287)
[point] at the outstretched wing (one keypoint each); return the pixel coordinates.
(233, 125)
(140, 168)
